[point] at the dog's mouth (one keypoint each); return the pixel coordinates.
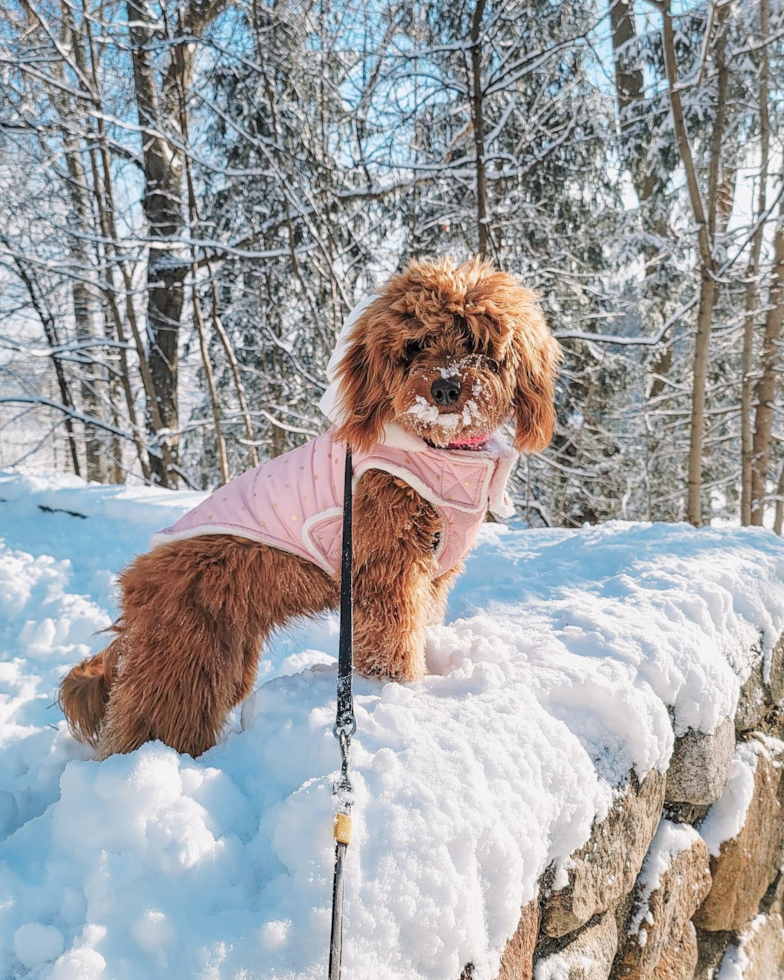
(474, 444)
(462, 420)
(471, 443)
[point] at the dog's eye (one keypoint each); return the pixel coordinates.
(414, 347)
(494, 365)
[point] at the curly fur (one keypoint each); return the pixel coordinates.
(481, 320)
(195, 613)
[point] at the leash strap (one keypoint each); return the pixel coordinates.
(345, 725)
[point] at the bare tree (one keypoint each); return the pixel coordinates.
(752, 273)
(705, 220)
(769, 381)
(157, 99)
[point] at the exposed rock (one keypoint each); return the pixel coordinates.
(774, 684)
(774, 722)
(605, 868)
(679, 959)
(752, 703)
(710, 949)
(773, 899)
(758, 695)
(699, 765)
(758, 953)
(673, 882)
(744, 866)
(692, 813)
(517, 963)
(680, 905)
(588, 956)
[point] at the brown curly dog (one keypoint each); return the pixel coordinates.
(429, 369)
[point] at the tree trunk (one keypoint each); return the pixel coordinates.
(477, 111)
(163, 208)
(158, 107)
(747, 438)
(704, 226)
(629, 82)
(83, 287)
(697, 429)
(105, 207)
(630, 92)
(52, 339)
(193, 217)
(84, 311)
(779, 518)
(768, 383)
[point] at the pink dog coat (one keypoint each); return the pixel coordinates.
(295, 501)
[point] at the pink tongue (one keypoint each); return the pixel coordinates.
(471, 442)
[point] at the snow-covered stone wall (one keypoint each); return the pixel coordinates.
(587, 784)
(683, 879)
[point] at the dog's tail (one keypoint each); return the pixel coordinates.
(84, 693)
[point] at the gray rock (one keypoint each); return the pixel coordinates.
(604, 869)
(752, 703)
(710, 949)
(749, 862)
(660, 915)
(589, 956)
(758, 696)
(700, 764)
(774, 687)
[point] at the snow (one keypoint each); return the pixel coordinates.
(430, 415)
(735, 960)
(565, 656)
(35, 944)
(727, 817)
(558, 967)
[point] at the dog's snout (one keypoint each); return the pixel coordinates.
(446, 391)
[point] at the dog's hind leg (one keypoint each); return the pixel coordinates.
(194, 616)
(84, 694)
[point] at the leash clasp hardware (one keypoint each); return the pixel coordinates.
(342, 830)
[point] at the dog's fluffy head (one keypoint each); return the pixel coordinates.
(470, 325)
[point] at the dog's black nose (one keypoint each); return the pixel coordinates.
(446, 391)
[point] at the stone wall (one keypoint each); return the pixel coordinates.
(683, 879)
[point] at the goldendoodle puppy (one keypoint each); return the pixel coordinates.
(426, 372)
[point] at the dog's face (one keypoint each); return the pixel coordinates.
(450, 354)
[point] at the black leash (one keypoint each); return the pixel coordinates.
(345, 726)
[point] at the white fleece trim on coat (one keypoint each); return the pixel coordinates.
(308, 541)
(201, 530)
(501, 453)
(421, 487)
(499, 504)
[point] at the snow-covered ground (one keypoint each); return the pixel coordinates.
(565, 657)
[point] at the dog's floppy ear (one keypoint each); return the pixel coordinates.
(367, 376)
(538, 357)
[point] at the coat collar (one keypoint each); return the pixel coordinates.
(497, 455)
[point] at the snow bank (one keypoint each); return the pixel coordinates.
(566, 656)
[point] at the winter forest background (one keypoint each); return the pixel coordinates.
(194, 193)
